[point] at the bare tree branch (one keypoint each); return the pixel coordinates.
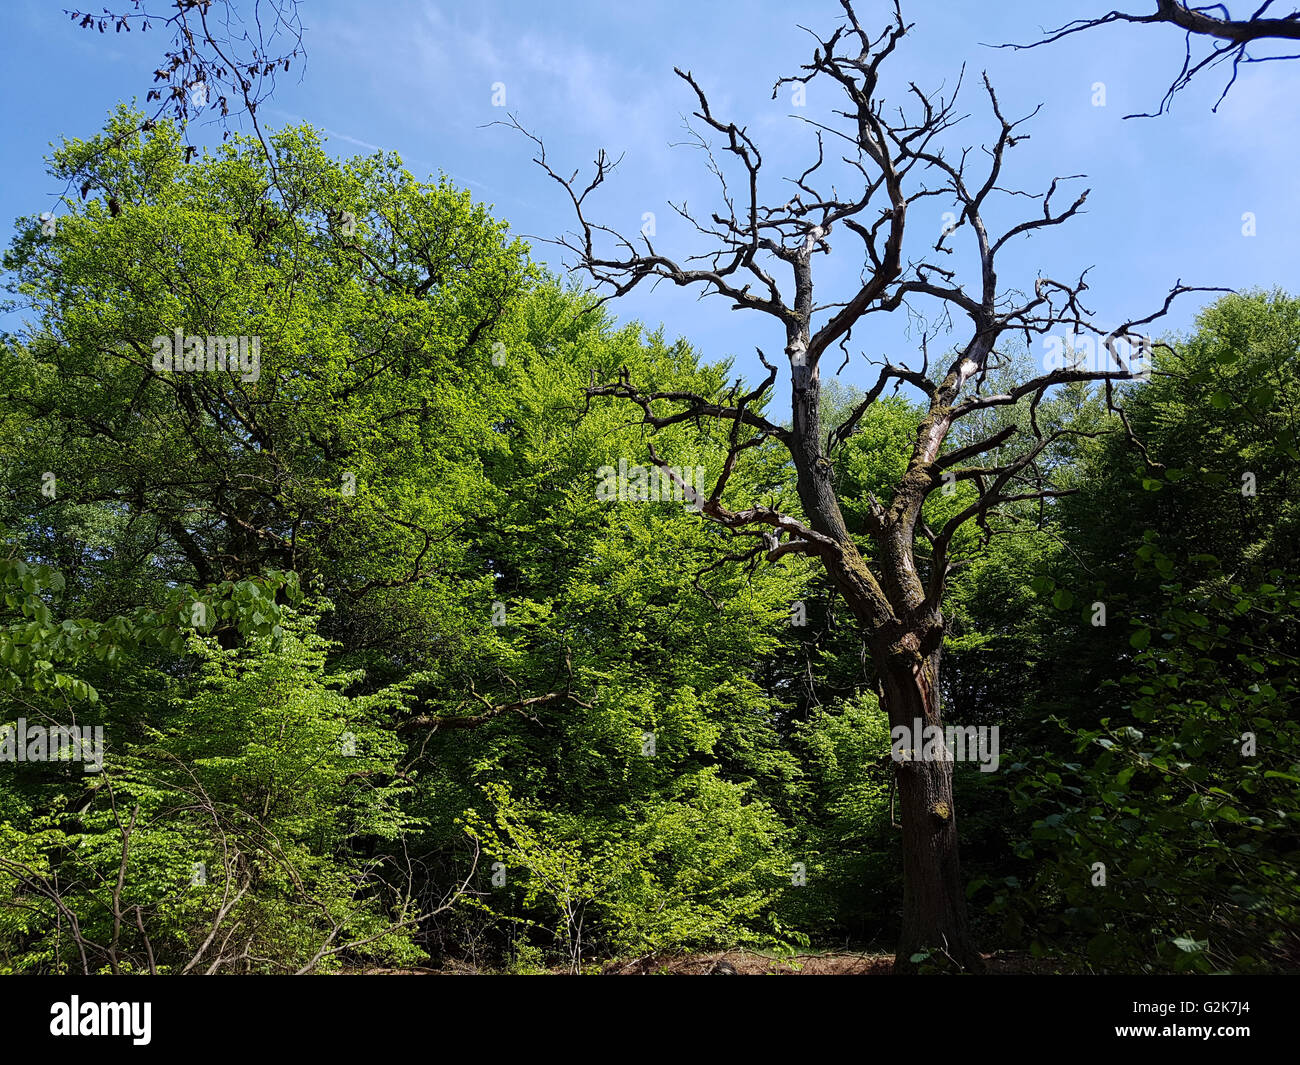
(1211, 21)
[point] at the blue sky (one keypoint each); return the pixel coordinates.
(416, 76)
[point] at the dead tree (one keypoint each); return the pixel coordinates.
(763, 259)
(1230, 38)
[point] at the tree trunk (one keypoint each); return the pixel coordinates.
(934, 900)
(906, 654)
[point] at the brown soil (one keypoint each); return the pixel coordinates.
(743, 963)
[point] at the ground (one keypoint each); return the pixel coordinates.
(742, 963)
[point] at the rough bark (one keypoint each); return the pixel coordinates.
(934, 900)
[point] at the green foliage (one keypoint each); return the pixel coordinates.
(233, 831)
(357, 626)
(849, 846)
(1186, 798)
(31, 650)
(699, 866)
(413, 447)
(1133, 730)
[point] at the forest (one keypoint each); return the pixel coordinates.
(379, 597)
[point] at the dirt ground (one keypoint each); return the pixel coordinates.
(745, 963)
(741, 963)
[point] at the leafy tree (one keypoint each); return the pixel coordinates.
(1141, 763)
(226, 840)
(500, 625)
(1170, 843)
